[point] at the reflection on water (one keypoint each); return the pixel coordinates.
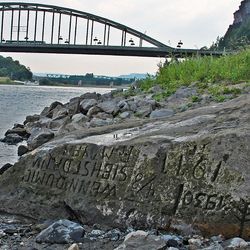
(16, 102)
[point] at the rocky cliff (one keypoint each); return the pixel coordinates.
(238, 33)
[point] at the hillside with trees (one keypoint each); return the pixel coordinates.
(13, 69)
(238, 34)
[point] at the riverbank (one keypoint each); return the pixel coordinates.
(118, 131)
(170, 160)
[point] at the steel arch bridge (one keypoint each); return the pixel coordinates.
(41, 28)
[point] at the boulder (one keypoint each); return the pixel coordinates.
(93, 111)
(19, 131)
(86, 104)
(143, 111)
(159, 113)
(125, 115)
(132, 105)
(57, 122)
(61, 232)
(141, 240)
(31, 118)
(48, 111)
(190, 169)
(59, 112)
(39, 137)
(89, 95)
(109, 107)
(97, 122)
(73, 106)
(123, 106)
(79, 118)
(103, 116)
(235, 243)
(12, 139)
(74, 247)
(22, 149)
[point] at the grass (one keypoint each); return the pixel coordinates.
(5, 80)
(215, 75)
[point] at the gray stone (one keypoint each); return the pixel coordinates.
(195, 243)
(235, 243)
(59, 112)
(19, 131)
(96, 233)
(79, 118)
(143, 111)
(2, 233)
(86, 104)
(48, 111)
(141, 240)
(89, 95)
(184, 92)
(218, 238)
(123, 106)
(132, 105)
(73, 106)
(103, 115)
(125, 115)
(61, 232)
(93, 111)
(22, 149)
(214, 246)
(31, 118)
(56, 123)
(12, 139)
(97, 122)
(162, 113)
(114, 235)
(109, 107)
(40, 137)
(74, 247)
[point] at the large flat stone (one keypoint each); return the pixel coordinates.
(192, 168)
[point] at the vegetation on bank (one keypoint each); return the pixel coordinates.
(13, 70)
(217, 76)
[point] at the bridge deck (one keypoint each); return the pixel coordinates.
(104, 50)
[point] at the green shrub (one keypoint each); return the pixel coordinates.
(232, 68)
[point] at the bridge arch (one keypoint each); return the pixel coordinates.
(42, 28)
(16, 18)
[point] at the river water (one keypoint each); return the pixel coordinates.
(18, 101)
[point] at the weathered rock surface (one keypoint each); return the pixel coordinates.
(61, 232)
(192, 168)
(141, 240)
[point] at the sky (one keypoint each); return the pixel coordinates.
(196, 22)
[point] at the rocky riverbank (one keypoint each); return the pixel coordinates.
(177, 168)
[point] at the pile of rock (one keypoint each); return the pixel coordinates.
(66, 234)
(87, 111)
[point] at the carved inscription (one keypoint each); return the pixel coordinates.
(204, 200)
(89, 170)
(192, 162)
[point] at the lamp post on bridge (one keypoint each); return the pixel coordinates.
(180, 43)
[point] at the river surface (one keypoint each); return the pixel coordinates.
(17, 101)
